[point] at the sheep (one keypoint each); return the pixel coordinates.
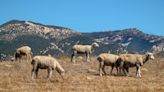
(133, 60)
(23, 53)
(83, 49)
(106, 59)
(46, 62)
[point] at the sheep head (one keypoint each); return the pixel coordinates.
(61, 72)
(95, 45)
(150, 55)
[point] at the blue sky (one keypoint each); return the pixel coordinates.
(89, 15)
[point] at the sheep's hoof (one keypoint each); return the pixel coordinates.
(111, 73)
(139, 76)
(105, 73)
(73, 61)
(119, 74)
(88, 60)
(100, 75)
(48, 79)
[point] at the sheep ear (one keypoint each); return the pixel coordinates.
(77, 42)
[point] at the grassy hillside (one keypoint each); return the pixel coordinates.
(81, 77)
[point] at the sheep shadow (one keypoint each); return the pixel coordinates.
(115, 75)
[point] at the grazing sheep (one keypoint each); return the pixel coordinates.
(106, 59)
(46, 62)
(23, 53)
(133, 60)
(83, 49)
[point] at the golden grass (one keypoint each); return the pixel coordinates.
(80, 77)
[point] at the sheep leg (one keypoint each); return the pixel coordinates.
(125, 73)
(87, 57)
(127, 69)
(16, 57)
(138, 72)
(73, 57)
(90, 59)
(111, 69)
(32, 74)
(20, 59)
(30, 58)
(121, 67)
(36, 72)
(103, 69)
(119, 72)
(117, 69)
(100, 68)
(26, 57)
(49, 73)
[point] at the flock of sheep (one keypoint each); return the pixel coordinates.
(121, 62)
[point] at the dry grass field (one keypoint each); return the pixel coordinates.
(81, 77)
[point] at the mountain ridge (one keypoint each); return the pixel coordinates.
(23, 21)
(48, 39)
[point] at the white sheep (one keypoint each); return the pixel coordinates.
(46, 62)
(133, 60)
(83, 49)
(23, 53)
(106, 59)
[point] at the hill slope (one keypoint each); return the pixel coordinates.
(46, 39)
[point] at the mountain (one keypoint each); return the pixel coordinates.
(120, 41)
(16, 28)
(47, 39)
(15, 33)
